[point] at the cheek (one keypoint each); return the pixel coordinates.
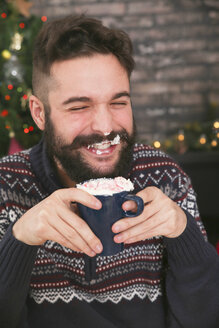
(70, 126)
(125, 119)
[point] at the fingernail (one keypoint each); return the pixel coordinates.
(99, 248)
(98, 204)
(116, 228)
(92, 253)
(118, 239)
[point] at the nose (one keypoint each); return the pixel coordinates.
(102, 120)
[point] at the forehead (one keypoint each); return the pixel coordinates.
(95, 76)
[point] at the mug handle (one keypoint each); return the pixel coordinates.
(140, 204)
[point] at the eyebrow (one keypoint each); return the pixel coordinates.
(87, 99)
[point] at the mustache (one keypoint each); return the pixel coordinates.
(85, 141)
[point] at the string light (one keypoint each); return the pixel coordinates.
(6, 54)
(11, 134)
(26, 130)
(216, 124)
(157, 144)
(202, 139)
(214, 143)
(16, 41)
(14, 72)
(3, 15)
(181, 136)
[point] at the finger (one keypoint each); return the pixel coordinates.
(142, 236)
(130, 205)
(69, 195)
(149, 194)
(143, 228)
(149, 210)
(67, 236)
(82, 228)
(57, 237)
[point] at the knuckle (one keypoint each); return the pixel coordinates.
(40, 227)
(128, 235)
(48, 202)
(80, 224)
(154, 190)
(130, 222)
(57, 195)
(92, 240)
(171, 225)
(66, 243)
(70, 235)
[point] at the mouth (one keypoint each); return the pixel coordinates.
(105, 147)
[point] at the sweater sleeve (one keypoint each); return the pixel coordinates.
(16, 263)
(192, 279)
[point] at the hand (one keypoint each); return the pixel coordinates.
(55, 218)
(161, 217)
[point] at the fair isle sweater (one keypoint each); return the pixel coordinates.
(155, 283)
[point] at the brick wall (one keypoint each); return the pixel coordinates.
(176, 44)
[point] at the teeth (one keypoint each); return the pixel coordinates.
(105, 144)
(102, 145)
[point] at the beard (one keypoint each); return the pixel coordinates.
(73, 162)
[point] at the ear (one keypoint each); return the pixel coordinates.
(37, 111)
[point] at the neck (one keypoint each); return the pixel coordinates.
(63, 177)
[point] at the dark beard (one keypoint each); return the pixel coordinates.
(72, 161)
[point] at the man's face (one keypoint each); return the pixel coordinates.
(89, 130)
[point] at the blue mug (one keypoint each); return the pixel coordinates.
(101, 221)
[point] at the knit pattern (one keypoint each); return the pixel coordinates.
(59, 273)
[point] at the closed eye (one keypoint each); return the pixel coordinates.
(78, 108)
(119, 104)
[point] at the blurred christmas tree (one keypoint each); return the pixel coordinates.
(194, 136)
(18, 30)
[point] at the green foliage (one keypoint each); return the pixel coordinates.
(16, 44)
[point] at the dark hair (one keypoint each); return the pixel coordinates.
(77, 36)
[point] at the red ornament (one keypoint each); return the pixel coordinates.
(25, 97)
(4, 113)
(7, 97)
(3, 15)
(26, 130)
(10, 87)
(43, 18)
(22, 25)
(31, 128)
(14, 146)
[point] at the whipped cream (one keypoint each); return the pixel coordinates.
(106, 187)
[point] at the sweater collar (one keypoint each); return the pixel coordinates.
(43, 169)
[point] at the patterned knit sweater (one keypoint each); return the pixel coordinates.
(158, 282)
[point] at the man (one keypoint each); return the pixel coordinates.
(51, 273)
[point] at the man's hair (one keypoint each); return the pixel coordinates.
(74, 37)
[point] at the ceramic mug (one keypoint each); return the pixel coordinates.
(101, 221)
